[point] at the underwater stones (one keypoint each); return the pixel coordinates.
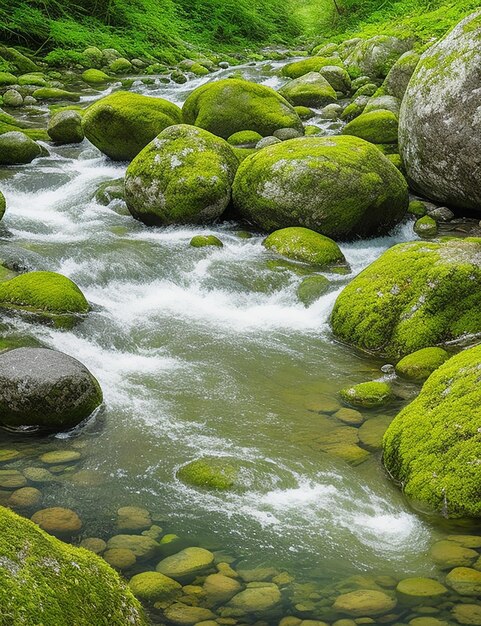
(448, 554)
(467, 614)
(25, 498)
(419, 590)
(123, 123)
(183, 615)
(58, 457)
(371, 433)
(374, 57)
(256, 599)
(417, 294)
(368, 395)
(380, 126)
(364, 602)
(312, 288)
(12, 479)
(51, 585)
(203, 241)
(219, 589)
(143, 548)
(467, 541)
(349, 416)
(120, 558)
(183, 176)
(58, 521)
(94, 544)
(305, 245)
(432, 447)
(419, 365)
(186, 563)
(43, 292)
(465, 581)
(133, 519)
(153, 587)
(46, 389)
(296, 69)
(17, 148)
(39, 475)
(227, 106)
(310, 90)
(341, 187)
(436, 139)
(210, 473)
(66, 127)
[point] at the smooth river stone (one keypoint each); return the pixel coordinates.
(12, 479)
(256, 599)
(25, 498)
(418, 590)
(467, 614)
(58, 521)
(133, 519)
(364, 603)
(186, 563)
(144, 548)
(57, 457)
(448, 554)
(467, 541)
(220, 589)
(465, 581)
(183, 615)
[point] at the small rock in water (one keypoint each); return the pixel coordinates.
(25, 498)
(133, 519)
(58, 521)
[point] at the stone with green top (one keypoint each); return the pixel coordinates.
(368, 395)
(419, 365)
(305, 245)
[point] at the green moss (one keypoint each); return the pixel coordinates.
(378, 127)
(432, 448)
(426, 227)
(96, 77)
(16, 147)
(33, 79)
(227, 106)
(417, 208)
(312, 64)
(415, 295)
(6, 78)
(52, 93)
(209, 472)
(44, 581)
(183, 176)
(366, 90)
(153, 587)
(310, 90)
(43, 291)
(341, 187)
(19, 60)
(120, 66)
(202, 241)
(354, 109)
(198, 69)
(66, 127)
(123, 123)
(3, 205)
(305, 113)
(367, 395)
(307, 246)
(244, 138)
(421, 364)
(312, 288)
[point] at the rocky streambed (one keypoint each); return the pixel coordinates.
(210, 411)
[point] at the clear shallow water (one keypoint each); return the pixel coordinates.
(207, 352)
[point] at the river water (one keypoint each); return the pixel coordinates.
(208, 352)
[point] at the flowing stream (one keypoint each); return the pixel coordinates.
(208, 352)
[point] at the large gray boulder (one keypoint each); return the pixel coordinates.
(45, 389)
(439, 134)
(374, 57)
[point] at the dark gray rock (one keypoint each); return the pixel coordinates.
(45, 389)
(66, 127)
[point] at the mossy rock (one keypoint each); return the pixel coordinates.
(426, 227)
(376, 126)
(210, 473)
(6, 78)
(244, 138)
(43, 292)
(311, 64)
(433, 446)
(50, 585)
(183, 176)
(465, 580)
(417, 208)
(120, 66)
(186, 564)
(3, 205)
(341, 187)
(337, 77)
(469, 614)
(96, 77)
(122, 124)
(109, 191)
(354, 109)
(368, 395)
(374, 57)
(66, 127)
(305, 245)
(33, 79)
(412, 591)
(312, 288)
(228, 106)
(365, 603)
(21, 62)
(384, 103)
(143, 548)
(17, 148)
(198, 69)
(153, 587)
(397, 80)
(93, 57)
(416, 295)
(419, 365)
(53, 93)
(449, 554)
(310, 90)
(202, 241)
(45, 389)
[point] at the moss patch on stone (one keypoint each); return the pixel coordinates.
(305, 245)
(368, 395)
(421, 364)
(379, 126)
(210, 473)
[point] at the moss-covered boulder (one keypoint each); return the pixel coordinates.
(66, 127)
(43, 292)
(46, 581)
(433, 446)
(96, 77)
(183, 176)
(305, 245)
(17, 148)
(227, 106)
(421, 364)
(123, 123)
(412, 591)
(399, 75)
(337, 77)
(417, 294)
(426, 227)
(45, 389)
(449, 554)
(246, 138)
(465, 580)
(209, 472)
(154, 587)
(384, 103)
(120, 66)
(341, 187)
(259, 599)
(54, 93)
(310, 90)
(296, 69)
(3, 205)
(374, 57)
(203, 241)
(368, 395)
(355, 108)
(15, 57)
(436, 138)
(375, 126)
(186, 564)
(7, 78)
